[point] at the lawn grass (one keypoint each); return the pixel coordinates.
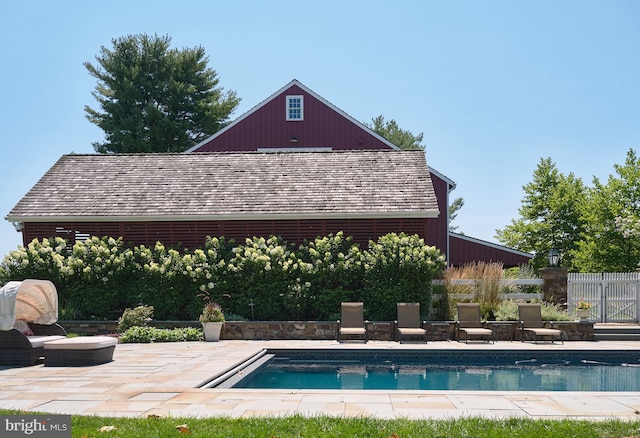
(351, 427)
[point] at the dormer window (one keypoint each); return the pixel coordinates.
(295, 108)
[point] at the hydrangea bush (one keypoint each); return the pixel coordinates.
(261, 279)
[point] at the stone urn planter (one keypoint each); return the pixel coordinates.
(211, 319)
(583, 314)
(212, 331)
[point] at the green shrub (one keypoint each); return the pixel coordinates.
(228, 316)
(147, 335)
(508, 311)
(399, 268)
(551, 312)
(336, 274)
(137, 317)
(262, 278)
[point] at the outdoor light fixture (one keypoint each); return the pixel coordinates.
(294, 139)
(554, 257)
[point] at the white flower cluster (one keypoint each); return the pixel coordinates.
(628, 226)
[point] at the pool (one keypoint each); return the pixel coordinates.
(476, 370)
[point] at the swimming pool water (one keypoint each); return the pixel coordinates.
(522, 377)
(475, 369)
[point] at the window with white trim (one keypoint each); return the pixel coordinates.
(295, 108)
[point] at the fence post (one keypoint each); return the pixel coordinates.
(554, 289)
(637, 289)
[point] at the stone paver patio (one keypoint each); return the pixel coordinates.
(163, 379)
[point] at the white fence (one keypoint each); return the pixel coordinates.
(504, 282)
(613, 296)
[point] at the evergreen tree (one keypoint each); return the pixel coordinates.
(390, 130)
(156, 99)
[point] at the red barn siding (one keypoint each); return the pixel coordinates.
(465, 250)
(192, 234)
(437, 234)
(267, 127)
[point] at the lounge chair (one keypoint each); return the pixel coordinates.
(28, 315)
(351, 323)
(531, 324)
(470, 324)
(409, 324)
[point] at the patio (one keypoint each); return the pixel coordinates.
(162, 379)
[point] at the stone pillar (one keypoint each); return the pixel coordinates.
(554, 289)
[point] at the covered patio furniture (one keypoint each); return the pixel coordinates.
(28, 316)
(351, 323)
(470, 326)
(409, 324)
(531, 325)
(80, 351)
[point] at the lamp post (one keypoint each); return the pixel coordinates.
(554, 289)
(554, 257)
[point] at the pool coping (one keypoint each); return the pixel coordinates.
(162, 379)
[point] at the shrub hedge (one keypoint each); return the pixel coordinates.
(261, 279)
(146, 335)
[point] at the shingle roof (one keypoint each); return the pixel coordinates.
(231, 186)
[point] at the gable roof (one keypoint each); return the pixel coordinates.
(214, 186)
(265, 126)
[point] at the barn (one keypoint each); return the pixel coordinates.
(294, 166)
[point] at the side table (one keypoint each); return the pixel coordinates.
(510, 329)
(439, 324)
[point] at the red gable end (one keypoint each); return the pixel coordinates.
(322, 125)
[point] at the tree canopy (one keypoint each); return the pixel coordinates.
(390, 130)
(550, 215)
(153, 98)
(611, 215)
(597, 229)
(454, 207)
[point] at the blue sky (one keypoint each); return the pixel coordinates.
(495, 86)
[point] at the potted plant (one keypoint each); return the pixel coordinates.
(583, 309)
(211, 318)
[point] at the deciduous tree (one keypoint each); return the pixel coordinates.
(610, 242)
(550, 215)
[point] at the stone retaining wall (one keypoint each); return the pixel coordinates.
(326, 330)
